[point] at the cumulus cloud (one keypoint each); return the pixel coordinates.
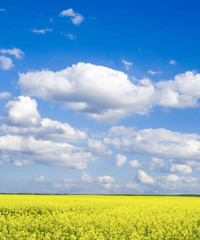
(160, 143)
(108, 95)
(181, 168)
(42, 31)
(127, 64)
(106, 181)
(45, 151)
(102, 93)
(120, 160)
(21, 112)
(86, 184)
(157, 164)
(21, 117)
(39, 179)
(15, 52)
(175, 184)
(168, 184)
(31, 138)
(76, 18)
(172, 178)
(98, 148)
(144, 178)
(135, 164)
(6, 63)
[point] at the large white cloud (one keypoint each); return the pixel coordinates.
(157, 142)
(31, 138)
(45, 152)
(108, 95)
(102, 93)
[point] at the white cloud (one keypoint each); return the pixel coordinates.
(144, 178)
(107, 95)
(135, 164)
(6, 63)
(86, 184)
(86, 177)
(151, 72)
(31, 138)
(71, 36)
(120, 160)
(22, 118)
(76, 18)
(22, 112)
(160, 143)
(106, 181)
(45, 152)
(127, 64)
(172, 62)
(157, 164)
(42, 31)
(181, 168)
(103, 94)
(15, 51)
(39, 179)
(172, 178)
(132, 185)
(175, 184)
(98, 148)
(5, 95)
(183, 91)
(2, 10)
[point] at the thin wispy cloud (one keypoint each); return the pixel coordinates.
(71, 36)
(15, 52)
(127, 64)
(42, 31)
(151, 72)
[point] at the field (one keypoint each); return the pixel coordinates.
(99, 217)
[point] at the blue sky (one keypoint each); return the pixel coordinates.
(99, 97)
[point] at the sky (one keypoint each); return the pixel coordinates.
(100, 97)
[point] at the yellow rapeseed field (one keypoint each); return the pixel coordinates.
(99, 217)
